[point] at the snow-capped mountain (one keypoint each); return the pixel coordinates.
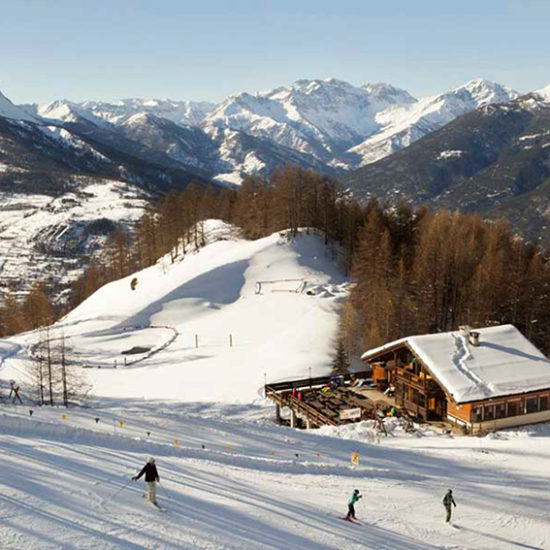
(329, 125)
(494, 161)
(402, 125)
(187, 113)
(544, 93)
(9, 110)
(322, 118)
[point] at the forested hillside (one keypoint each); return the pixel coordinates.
(415, 270)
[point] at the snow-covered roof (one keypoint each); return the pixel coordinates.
(504, 363)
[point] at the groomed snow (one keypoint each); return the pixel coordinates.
(274, 488)
(504, 363)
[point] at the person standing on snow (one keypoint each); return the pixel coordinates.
(151, 478)
(351, 504)
(449, 501)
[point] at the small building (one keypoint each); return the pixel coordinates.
(483, 380)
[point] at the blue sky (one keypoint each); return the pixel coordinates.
(76, 49)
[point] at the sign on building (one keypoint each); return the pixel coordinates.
(350, 414)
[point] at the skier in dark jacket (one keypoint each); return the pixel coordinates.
(151, 478)
(351, 504)
(449, 501)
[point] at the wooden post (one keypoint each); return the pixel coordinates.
(292, 418)
(230, 340)
(196, 340)
(278, 413)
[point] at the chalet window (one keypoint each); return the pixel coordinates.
(500, 410)
(543, 403)
(489, 412)
(513, 408)
(531, 405)
(477, 414)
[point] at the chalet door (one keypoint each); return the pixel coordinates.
(437, 407)
(441, 409)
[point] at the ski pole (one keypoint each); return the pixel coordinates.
(121, 489)
(164, 491)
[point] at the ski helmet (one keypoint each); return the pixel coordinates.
(151, 460)
(356, 491)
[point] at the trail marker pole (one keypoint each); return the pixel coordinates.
(196, 340)
(230, 340)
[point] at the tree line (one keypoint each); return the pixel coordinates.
(415, 271)
(290, 199)
(421, 271)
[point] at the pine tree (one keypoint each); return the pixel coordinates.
(340, 363)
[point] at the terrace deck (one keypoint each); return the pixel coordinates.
(310, 400)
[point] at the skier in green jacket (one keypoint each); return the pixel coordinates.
(351, 504)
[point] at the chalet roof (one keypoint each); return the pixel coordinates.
(504, 363)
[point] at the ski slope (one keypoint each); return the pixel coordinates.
(61, 478)
(230, 477)
(209, 336)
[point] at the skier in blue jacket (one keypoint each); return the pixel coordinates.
(351, 504)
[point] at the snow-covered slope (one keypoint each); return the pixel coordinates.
(213, 294)
(237, 482)
(400, 126)
(44, 237)
(544, 93)
(9, 110)
(230, 478)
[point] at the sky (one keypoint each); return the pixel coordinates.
(209, 49)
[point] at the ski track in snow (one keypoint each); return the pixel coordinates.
(60, 478)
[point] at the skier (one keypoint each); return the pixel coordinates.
(15, 391)
(351, 504)
(448, 500)
(151, 478)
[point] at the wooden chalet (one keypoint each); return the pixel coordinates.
(483, 380)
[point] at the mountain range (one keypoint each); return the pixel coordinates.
(328, 125)
(494, 161)
(378, 139)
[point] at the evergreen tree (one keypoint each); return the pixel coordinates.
(340, 363)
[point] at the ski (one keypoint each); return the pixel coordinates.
(356, 521)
